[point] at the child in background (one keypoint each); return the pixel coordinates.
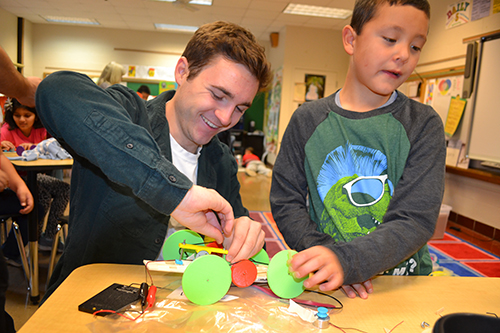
(111, 74)
(359, 178)
(253, 165)
(22, 127)
(144, 92)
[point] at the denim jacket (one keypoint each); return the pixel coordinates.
(123, 185)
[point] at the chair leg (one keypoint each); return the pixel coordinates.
(53, 253)
(65, 233)
(22, 251)
(3, 230)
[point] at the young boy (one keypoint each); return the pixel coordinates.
(253, 165)
(358, 182)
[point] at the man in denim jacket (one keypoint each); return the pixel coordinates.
(143, 168)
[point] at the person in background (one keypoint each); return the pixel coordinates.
(111, 74)
(359, 179)
(144, 92)
(253, 165)
(12, 83)
(141, 169)
(23, 128)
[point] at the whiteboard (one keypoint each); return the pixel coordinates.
(484, 140)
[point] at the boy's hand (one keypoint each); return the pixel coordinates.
(245, 240)
(323, 263)
(363, 289)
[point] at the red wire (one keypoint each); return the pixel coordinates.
(148, 273)
(396, 326)
(338, 328)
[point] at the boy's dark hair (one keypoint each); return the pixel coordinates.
(365, 10)
(234, 43)
(11, 106)
(144, 89)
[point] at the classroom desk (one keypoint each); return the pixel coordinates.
(407, 301)
(33, 168)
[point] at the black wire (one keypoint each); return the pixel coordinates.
(332, 297)
(258, 262)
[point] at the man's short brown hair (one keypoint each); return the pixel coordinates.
(231, 41)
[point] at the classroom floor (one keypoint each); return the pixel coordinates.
(255, 197)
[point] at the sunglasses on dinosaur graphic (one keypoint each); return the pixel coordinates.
(365, 190)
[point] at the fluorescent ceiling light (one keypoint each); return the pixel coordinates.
(192, 2)
(76, 20)
(307, 10)
(173, 27)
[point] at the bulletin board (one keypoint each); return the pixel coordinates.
(438, 87)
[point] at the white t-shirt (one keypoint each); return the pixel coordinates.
(187, 163)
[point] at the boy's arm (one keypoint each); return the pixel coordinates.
(289, 190)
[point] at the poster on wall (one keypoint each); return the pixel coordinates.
(166, 86)
(131, 71)
(315, 86)
(150, 72)
(496, 6)
(272, 110)
(480, 9)
(299, 92)
(429, 92)
(444, 89)
(458, 13)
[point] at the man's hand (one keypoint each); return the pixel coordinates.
(197, 212)
(28, 96)
(323, 263)
(245, 240)
(363, 289)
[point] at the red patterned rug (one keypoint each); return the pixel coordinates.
(451, 255)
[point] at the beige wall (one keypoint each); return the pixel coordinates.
(310, 51)
(89, 49)
(8, 33)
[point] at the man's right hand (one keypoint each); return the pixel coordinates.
(197, 212)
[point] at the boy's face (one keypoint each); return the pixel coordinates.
(211, 102)
(386, 52)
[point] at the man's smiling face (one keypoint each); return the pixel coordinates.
(211, 102)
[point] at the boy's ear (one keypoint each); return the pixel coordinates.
(181, 71)
(348, 38)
